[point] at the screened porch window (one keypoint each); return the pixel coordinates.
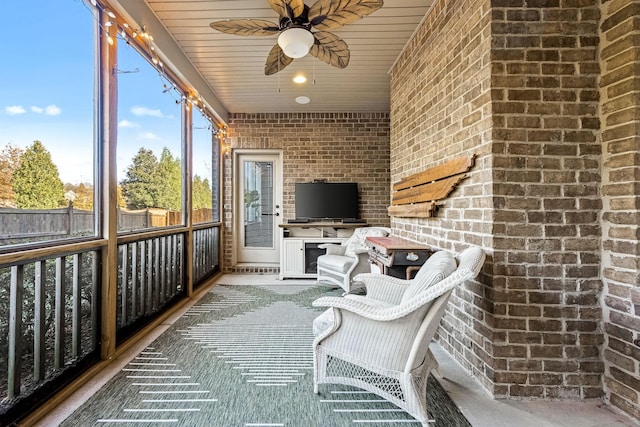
(46, 123)
(149, 151)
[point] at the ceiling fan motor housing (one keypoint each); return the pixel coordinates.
(302, 20)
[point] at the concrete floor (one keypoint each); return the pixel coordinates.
(474, 402)
(483, 411)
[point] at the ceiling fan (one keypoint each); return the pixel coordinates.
(296, 38)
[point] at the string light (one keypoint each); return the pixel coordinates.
(127, 33)
(221, 134)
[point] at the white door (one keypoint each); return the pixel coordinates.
(258, 198)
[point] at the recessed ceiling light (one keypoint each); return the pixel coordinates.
(303, 100)
(299, 79)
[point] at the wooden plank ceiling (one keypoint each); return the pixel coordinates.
(234, 65)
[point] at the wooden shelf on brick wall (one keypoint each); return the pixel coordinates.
(416, 196)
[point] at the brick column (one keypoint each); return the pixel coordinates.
(620, 99)
(547, 181)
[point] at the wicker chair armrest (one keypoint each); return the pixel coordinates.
(359, 307)
(383, 288)
(401, 310)
(332, 248)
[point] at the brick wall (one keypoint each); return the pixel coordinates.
(519, 89)
(345, 147)
(442, 111)
(620, 106)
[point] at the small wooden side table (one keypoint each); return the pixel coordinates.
(396, 256)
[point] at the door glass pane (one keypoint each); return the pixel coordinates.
(258, 204)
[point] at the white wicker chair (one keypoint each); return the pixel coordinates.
(342, 262)
(380, 342)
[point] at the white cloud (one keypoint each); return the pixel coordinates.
(49, 110)
(52, 110)
(144, 111)
(127, 124)
(14, 109)
(148, 135)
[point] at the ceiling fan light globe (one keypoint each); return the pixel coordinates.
(296, 42)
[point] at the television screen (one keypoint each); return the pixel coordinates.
(326, 200)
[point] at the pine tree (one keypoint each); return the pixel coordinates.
(169, 194)
(140, 187)
(36, 181)
(202, 196)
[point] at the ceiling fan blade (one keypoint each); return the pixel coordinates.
(332, 14)
(276, 61)
(246, 27)
(331, 49)
(289, 8)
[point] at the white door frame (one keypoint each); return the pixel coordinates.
(238, 208)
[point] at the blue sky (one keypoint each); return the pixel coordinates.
(47, 92)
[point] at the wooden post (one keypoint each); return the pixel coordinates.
(76, 307)
(70, 222)
(187, 173)
(107, 144)
(15, 331)
(59, 312)
(39, 325)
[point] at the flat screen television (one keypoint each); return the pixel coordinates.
(326, 200)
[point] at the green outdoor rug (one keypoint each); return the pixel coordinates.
(242, 356)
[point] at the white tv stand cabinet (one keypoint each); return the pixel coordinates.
(299, 249)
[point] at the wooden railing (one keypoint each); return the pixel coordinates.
(206, 252)
(49, 321)
(50, 311)
(151, 273)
